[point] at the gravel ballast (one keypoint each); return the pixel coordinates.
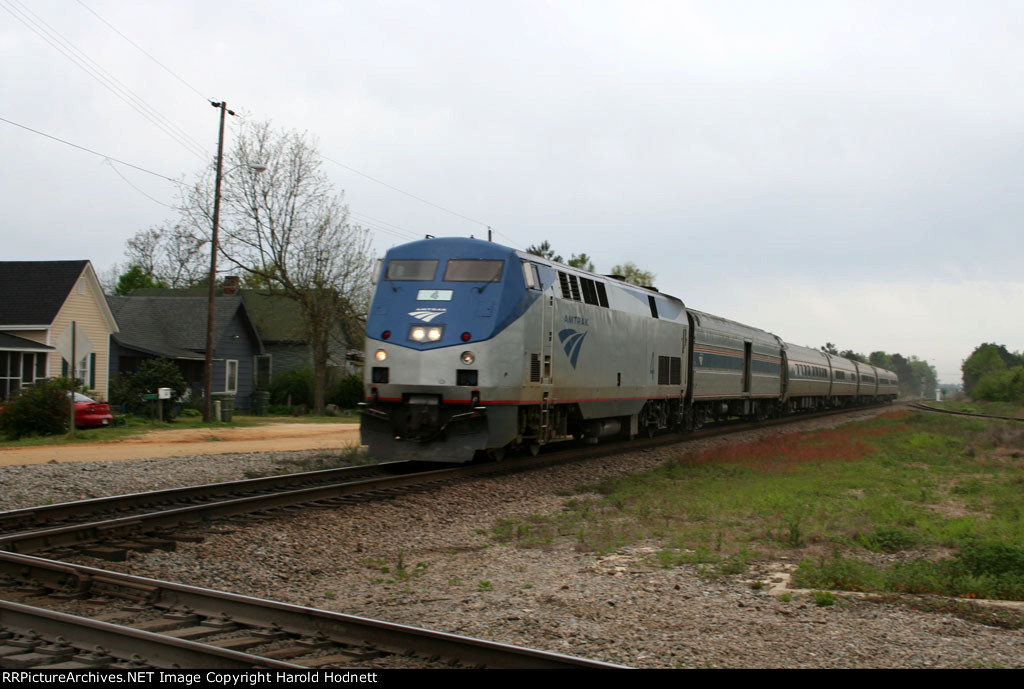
(429, 559)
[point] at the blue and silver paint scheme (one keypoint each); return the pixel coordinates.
(555, 351)
(473, 348)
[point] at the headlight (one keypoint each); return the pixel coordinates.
(467, 358)
(381, 355)
(422, 333)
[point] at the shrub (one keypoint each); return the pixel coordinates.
(40, 409)
(348, 393)
(296, 384)
(152, 374)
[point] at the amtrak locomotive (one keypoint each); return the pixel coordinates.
(474, 349)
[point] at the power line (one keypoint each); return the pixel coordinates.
(180, 136)
(59, 43)
(418, 198)
(110, 163)
(141, 50)
(89, 150)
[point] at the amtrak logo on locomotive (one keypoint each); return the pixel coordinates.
(427, 314)
(572, 341)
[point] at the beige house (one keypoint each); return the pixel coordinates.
(39, 303)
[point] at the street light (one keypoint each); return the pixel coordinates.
(208, 361)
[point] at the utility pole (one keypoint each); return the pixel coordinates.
(208, 362)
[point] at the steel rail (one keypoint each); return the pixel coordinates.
(123, 643)
(920, 406)
(292, 619)
(125, 528)
(29, 517)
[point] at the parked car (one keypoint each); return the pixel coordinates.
(89, 412)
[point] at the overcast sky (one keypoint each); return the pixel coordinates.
(849, 172)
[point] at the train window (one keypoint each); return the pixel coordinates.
(411, 269)
(531, 275)
(602, 294)
(654, 306)
(473, 270)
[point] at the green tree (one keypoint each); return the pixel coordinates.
(830, 348)
(135, 278)
(544, 250)
(633, 274)
(853, 356)
(987, 358)
(581, 261)
(881, 360)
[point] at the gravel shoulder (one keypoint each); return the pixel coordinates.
(429, 560)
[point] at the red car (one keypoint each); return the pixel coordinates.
(89, 412)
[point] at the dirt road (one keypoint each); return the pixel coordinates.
(199, 441)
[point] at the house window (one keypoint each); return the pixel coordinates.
(19, 369)
(231, 376)
(262, 372)
(84, 370)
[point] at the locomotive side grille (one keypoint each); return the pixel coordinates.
(563, 281)
(676, 371)
(534, 368)
(663, 370)
(575, 288)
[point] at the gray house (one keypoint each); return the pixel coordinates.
(175, 328)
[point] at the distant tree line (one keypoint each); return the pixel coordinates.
(994, 373)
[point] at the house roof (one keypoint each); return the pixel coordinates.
(34, 291)
(171, 327)
(14, 343)
(276, 317)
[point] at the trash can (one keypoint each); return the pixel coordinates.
(227, 405)
(260, 402)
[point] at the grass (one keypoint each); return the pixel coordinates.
(138, 425)
(942, 495)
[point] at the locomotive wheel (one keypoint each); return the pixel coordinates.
(534, 449)
(496, 455)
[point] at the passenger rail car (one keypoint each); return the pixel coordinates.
(473, 349)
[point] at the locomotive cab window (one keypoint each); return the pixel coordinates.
(531, 275)
(411, 269)
(473, 270)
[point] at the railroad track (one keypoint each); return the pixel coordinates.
(134, 622)
(920, 406)
(160, 624)
(108, 528)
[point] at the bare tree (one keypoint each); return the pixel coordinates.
(175, 255)
(289, 229)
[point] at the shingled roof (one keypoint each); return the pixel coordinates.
(171, 327)
(34, 291)
(20, 344)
